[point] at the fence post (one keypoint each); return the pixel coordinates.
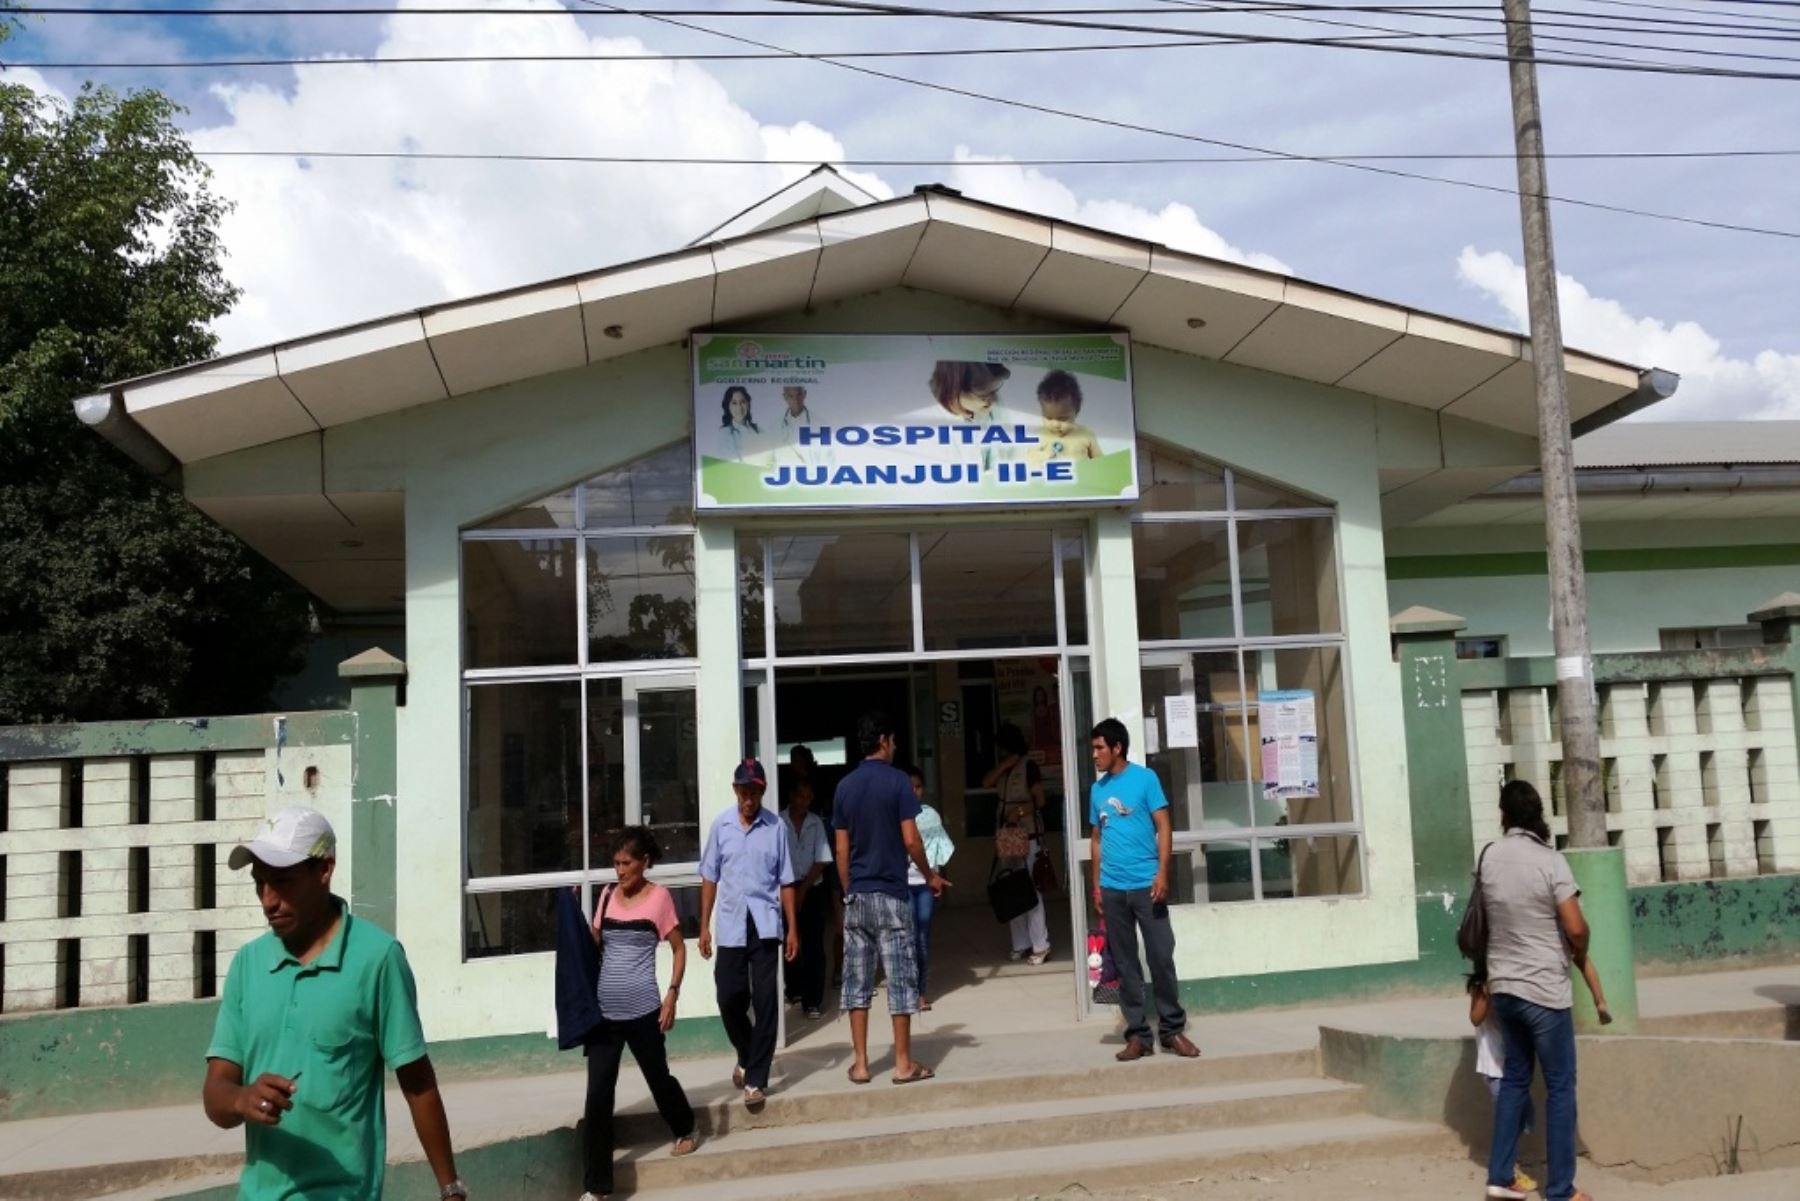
(1437, 772)
(375, 678)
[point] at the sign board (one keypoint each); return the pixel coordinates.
(852, 421)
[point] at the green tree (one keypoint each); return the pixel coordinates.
(117, 597)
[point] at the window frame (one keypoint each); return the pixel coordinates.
(662, 674)
(1167, 653)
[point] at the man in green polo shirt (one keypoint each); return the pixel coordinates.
(313, 1013)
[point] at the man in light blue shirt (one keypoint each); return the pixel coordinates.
(747, 871)
(1132, 842)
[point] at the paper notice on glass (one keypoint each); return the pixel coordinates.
(1184, 728)
(1152, 744)
(1290, 743)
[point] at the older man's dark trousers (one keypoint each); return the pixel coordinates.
(750, 1001)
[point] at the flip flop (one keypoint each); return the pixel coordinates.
(920, 1072)
(686, 1145)
(853, 1080)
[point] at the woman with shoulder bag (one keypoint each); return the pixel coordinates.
(632, 917)
(1018, 826)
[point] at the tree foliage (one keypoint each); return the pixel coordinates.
(117, 597)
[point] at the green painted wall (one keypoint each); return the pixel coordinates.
(1713, 922)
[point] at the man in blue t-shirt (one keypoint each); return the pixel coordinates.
(1131, 845)
(875, 818)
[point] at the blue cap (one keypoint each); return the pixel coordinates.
(749, 774)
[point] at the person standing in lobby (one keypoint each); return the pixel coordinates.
(747, 873)
(809, 846)
(1132, 842)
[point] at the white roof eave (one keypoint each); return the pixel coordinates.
(936, 240)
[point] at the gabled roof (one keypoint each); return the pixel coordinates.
(934, 239)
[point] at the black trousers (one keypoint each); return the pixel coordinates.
(1129, 913)
(806, 975)
(645, 1038)
(748, 1002)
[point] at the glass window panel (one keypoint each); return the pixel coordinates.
(554, 512)
(1288, 573)
(509, 923)
(668, 771)
(1326, 865)
(1210, 873)
(1207, 785)
(1250, 493)
(606, 735)
(640, 602)
(657, 489)
(987, 588)
(1171, 482)
(1183, 580)
(843, 594)
(1074, 573)
(519, 602)
(753, 637)
(524, 778)
(1301, 794)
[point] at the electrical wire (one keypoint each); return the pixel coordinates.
(1221, 143)
(1133, 161)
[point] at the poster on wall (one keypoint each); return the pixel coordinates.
(1025, 693)
(1290, 744)
(852, 421)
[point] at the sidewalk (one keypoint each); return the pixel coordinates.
(488, 1111)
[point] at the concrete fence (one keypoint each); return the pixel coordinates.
(1701, 766)
(114, 839)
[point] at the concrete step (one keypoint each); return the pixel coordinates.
(1097, 1166)
(1019, 1123)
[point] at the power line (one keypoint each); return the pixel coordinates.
(1588, 61)
(1223, 144)
(1133, 161)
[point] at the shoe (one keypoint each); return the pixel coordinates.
(1499, 1192)
(1134, 1048)
(1524, 1183)
(1016, 956)
(814, 1014)
(1037, 958)
(593, 1197)
(737, 1076)
(754, 1099)
(1180, 1045)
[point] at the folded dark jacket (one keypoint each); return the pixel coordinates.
(577, 973)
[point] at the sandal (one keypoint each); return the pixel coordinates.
(855, 1080)
(919, 1072)
(687, 1144)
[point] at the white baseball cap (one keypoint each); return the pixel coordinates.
(292, 836)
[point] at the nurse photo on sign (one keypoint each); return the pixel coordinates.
(970, 392)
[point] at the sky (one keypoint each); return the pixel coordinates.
(317, 243)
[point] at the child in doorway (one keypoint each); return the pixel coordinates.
(938, 849)
(1061, 436)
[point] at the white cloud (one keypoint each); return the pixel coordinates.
(1174, 225)
(321, 243)
(1713, 384)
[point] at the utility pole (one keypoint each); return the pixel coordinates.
(1583, 789)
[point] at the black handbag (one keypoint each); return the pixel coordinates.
(1472, 932)
(1011, 892)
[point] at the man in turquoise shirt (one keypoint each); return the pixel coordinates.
(1132, 842)
(312, 1014)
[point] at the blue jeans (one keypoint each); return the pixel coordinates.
(922, 905)
(1536, 1035)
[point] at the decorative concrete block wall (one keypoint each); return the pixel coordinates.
(114, 882)
(1702, 776)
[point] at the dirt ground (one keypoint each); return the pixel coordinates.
(1440, 1178)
